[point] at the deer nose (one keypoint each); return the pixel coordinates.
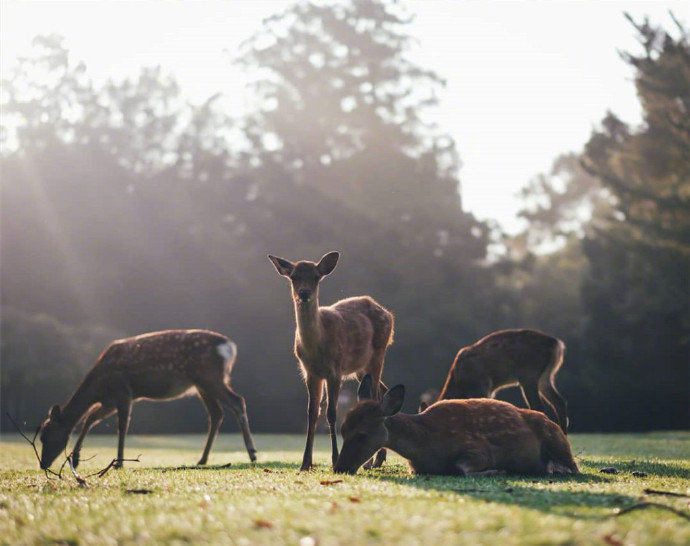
(304, 295)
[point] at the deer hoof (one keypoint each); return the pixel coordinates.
(201, 462)
(252, 455)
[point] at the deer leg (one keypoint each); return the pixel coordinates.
(97, 414)
(548, 391)
(124, 410)
(239, 408)
(314, 388)
(530, 393)
(380, 457)
(215, 418)
(333, 384)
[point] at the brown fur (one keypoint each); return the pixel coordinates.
(527, 358)
(155, 366)
(461, 437)
(348, 338)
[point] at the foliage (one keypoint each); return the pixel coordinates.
(154, 501)
(624, 206)
(41, 357)
(123, 206)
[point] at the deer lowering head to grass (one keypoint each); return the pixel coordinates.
(507, 358)
(454, 437)
(156, 366)
(348, 338)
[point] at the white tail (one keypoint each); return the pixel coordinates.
(156, 366)
(510, 357)
(347, 338)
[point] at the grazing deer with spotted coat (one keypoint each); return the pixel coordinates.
(454, 437)
(506, 358)
(155, 366)
(348, 338)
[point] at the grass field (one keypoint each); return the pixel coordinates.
(272, 503)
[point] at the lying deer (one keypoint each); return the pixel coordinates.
(454, 437)
(507, 358)
(347, 338)
(156, 366)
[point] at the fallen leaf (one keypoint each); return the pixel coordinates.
(263, 524)
(355, 499)
(610, 539)
(298, 481)
(330, 482)
(268, 470)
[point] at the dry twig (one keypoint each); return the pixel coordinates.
(666, 493)
(641, 505)
(68, 460)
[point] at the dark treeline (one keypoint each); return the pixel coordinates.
(127, 210)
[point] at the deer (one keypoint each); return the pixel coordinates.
(333, 343)
(155, 366)
(475, 437)
(507, 358)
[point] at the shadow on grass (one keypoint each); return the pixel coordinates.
(275, 466)
(545, 494)
(668, 470)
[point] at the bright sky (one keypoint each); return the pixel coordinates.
(526, 80)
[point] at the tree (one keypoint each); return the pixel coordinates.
(340, 156)
(634, 185)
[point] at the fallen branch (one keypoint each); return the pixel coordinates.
(33, 445)
(100, 473)
(666, 493)
(642, 505)
(68, 460)
(114, 462)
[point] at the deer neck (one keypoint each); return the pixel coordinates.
(308, 324)
(80, 401)
(404, 435)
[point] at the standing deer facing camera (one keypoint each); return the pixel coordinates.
(507, 358)
(347, 338)
(454, 437)
(156, 366)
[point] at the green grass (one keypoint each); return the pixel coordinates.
(272, 503)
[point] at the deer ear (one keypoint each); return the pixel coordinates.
(55, 412)
(365, 391)
(284, 267)
(327, 263)
(393, 400)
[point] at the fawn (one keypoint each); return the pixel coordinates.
(454, 437)
(332, 343)
(506, 358)
(155, 366)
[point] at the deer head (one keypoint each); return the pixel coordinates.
(364, 429)
(305, 276)
(54, 436)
